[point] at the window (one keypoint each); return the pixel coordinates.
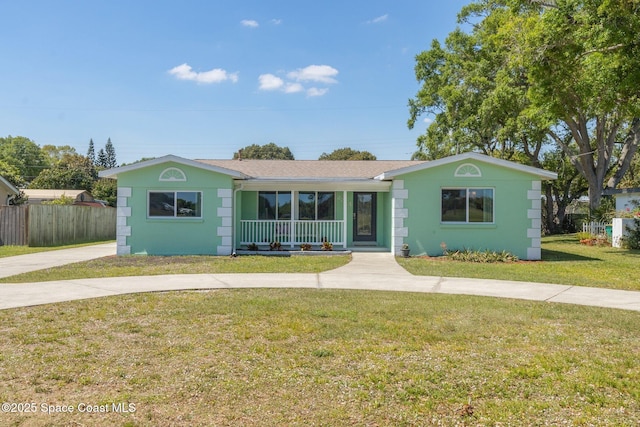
(175, 204)
(274, 205)
(172, 174)
(316, 205)
(467, 205)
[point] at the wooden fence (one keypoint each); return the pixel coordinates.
(53, 225)
(14, 221)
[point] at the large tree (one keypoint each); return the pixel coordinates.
(529, 72)
(110, 153)
(101, 161)
(269, 151)
(347, 154)
(106, 189)
(91, 152)
(476, 102)
(24, 155)
(72, 172)
(583, 62)
(11, 173)
(54, 153)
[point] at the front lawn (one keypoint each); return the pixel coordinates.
(564, 261)
(10, 250)
(319, 357)
(136, 265)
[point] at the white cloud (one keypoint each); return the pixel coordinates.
(314, 91)
(276, 21)
(270, 82)
(216, 75)
(315, 73)
(249, 23)
(293, 88)
(379, 19)
(428, 121)
(294, 80)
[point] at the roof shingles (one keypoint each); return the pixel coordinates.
(311, 169)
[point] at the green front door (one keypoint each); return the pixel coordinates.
(364, 217)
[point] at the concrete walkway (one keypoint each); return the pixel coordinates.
(371, 271)
(10, 266)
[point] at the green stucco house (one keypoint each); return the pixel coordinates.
(175, 206)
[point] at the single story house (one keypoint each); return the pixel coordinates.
(171, 205)
(37, 195)
(7, 191)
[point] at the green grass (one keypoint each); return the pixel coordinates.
(564, 261)
(120, 266)
(318, 357)
(6, 251)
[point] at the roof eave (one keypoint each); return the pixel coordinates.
(543, 174)
(10, 186)
(113, 173)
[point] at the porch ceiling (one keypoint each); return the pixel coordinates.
(313, 185)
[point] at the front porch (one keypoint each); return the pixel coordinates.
(357, 218)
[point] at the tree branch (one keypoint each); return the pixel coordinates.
(606, 49)
(549, 3)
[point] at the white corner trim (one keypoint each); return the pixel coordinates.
(400, 194)
(534, 232)
(123, 212)
(225, 216)
(225, 192)
(534, 254)
(398, 213)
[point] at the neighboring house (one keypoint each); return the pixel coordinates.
(37, 196)
(7, 191)
(627, 199)
(171, 205)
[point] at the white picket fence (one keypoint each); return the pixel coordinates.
(595, 227)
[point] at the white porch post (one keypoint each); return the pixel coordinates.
(344, 218)
(292, 226)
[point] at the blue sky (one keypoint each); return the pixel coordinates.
(200, 79)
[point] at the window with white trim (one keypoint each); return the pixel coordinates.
(175, 204)
(274, 205)
(467, 205)
(316, 205)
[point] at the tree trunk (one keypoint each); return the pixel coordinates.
(629, 148)
(550, 225)
(594, 156)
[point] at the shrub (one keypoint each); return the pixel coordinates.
(632, 240)
(487, 256)
(275, 246)
(583, 235)
(305, 246)
(593, 240)
(62, 200)
(327, 246)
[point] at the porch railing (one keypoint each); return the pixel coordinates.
(263, 232)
